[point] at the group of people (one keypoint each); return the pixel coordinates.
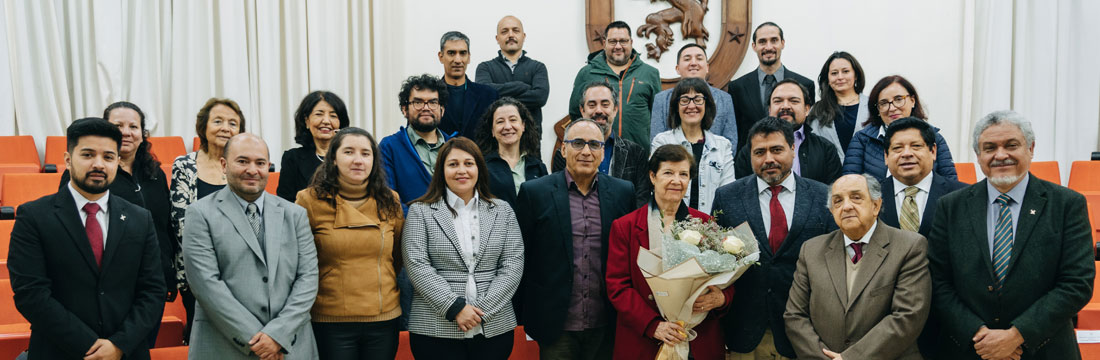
(454, 229)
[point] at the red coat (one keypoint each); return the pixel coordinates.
(633, 300)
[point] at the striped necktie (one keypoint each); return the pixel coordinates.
(910, 218)
(1002, 240)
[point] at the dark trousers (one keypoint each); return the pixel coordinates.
(406, 298)
(189, 306)
(479, 347)
(356, 340)
(590, 344)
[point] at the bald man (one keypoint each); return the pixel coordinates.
(512, 73)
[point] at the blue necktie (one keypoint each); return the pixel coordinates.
(1002, 240)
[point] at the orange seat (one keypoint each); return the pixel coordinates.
(195, 144)
(17, 169)
(967, 173)
(21, 188)
(272, 182)
(5, 237)
(1089, 317)
(1084, 176)
(1047, 170)
(19, 150)
(8, 314)
(1089, 351)
(166, 148)
(168, 353)
(56, 146)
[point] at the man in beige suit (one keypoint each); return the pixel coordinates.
(863, 291)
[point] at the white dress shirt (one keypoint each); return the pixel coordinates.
(925, 186)
(786, 199)
(467, 229)
(101, 216)
(866, 239)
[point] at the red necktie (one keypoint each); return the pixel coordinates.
(94, 232)
(858, 249)
(779, 221)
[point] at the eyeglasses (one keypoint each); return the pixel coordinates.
(898, 101)
(697, 99)
(579, 144)
(623, 42)
(419, 104)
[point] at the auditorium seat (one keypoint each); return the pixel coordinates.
(168, 353)
(5, 241)
(20, 188)
(195, 144)
(166, 148)
(967, 173)
(56, 147)
(15, 331)
(272, 182)
(1089, 317)
(1084, 176)
(19, 150)
(1047, 170)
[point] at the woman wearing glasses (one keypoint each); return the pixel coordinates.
(511, 152)
(836, 117)
(690, 125)
(892, 98)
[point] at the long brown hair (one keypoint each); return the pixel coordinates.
(437, 189)
(325, 182)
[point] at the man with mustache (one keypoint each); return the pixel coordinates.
(750, 92)
(784, 210)
(512, 73)
(691, 62)
(813, 159)
(635, 84)
(1011, 256)
(622, 158)
(468, 100)
(85, 263)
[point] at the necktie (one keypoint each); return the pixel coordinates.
(1002, 240)
(910, 219)
(779, 221)
(858, 249)
(253, 214)
(94, 232)
(769, 85)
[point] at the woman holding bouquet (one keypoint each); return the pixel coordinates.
(640, 328)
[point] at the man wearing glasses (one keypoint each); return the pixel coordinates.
(565, 219)
(691, 62)
(635, 82)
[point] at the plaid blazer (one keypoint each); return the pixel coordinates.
(434, 263)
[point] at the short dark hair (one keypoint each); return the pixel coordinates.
(873, 117)
(422, 82)
(618, 24)
(601, 83)
(683, 87)
(529, 141)
(452, 36)
(688, 46)
(925, 129)
(827, 110)
(767, 23)
(769, 125)
(805, 92)
(671, 153)
(91, 126)
(203, 117)
(302, 136)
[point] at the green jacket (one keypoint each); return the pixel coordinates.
(637, 86)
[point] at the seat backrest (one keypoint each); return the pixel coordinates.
(5, 237)
(1084, 176)
(967, 173)
(56, 147)
(1047, 170)
(195, 144)
(166, 148)
(8, 313)
(19, 150)
(272, 182)
(21, 188)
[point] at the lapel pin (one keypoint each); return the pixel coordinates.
(1032, 212)
(123, 217)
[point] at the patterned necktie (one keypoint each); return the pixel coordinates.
(858, 250)
(94, 232)
(769, 85)
(910, 217)
(1002, 240)
(253, 213)
(779, 221)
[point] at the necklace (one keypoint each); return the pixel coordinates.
(319, 157)
(850, 103)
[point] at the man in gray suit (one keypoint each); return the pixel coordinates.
(862, 291)
(252, 265)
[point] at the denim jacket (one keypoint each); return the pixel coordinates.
(715, 166)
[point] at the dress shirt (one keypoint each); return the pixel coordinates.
(1016, 205)
(259, 203)
(925, 186)
(786, 199)
(608, 153)
(760, 74)
(866, 239)
(427, 152)
(101, 216)
(586, 302)
(467, 230)
(799, 137)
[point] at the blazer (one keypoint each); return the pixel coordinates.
(829, 132)
(501, 182)
(405, 173)
(889, 299)
(1050, 274)
(762, 291)
(239, 290)
(69, 301)
(433, 258)
(629, 292)
(715, 166)
(542, 209)
(747, 105)
(815, 158)
(629, 162)
(867, 154)
(297, 169)
(475, 103)
(941, 186)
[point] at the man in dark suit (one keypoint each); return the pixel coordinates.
(750, 91)
(467, 100)
(783, 210)
(1011, 256)
(565, 218)
(84, 263)
(813, 160)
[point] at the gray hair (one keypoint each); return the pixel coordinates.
(603, 128)
(874, 188)
(1003, 117)
(453, 36)
(604, 83)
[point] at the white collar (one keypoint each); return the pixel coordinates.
(787, 183)
(457, 203)
(81, 200)
(924, 184)
(866, 237)
(244, 204)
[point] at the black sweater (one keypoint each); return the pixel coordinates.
(528, 83)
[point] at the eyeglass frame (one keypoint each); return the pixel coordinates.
(579, 144)
(614, 42)
(699, 100)
(432, 104)
(898, 101)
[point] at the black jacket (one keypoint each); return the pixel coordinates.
(628, 162)
(747, 104)
(295, 172)
(816, 158)
(528, 83)
(500, 175)
(463, 119)
(69, 301)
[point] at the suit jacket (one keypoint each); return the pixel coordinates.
(747, 103)
(475, 103)
(239, 290)
(69, 301)
(941, 186)
(1049, 275)
(815, 159)
(889, 299)
(542, 208)
(628, 162)
(762, 291)
(433, 258)
(405, 173)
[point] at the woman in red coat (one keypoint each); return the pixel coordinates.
(640, 329)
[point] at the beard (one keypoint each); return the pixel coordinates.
(92, 188)
(773, 179)
(611, 58)
(1005, 180)
(419, 126)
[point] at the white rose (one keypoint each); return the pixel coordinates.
(691, 237)
(733, 245)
